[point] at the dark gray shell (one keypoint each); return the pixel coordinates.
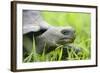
(33, 21)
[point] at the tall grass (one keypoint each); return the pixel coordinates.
(81, 23)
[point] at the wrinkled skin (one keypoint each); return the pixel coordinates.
(54, 37)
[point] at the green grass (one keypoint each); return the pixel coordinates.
(81, 23)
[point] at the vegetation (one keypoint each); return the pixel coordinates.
(81, 23)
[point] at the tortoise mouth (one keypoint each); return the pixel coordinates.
(66, 40)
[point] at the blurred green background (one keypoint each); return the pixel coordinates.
(81, 22)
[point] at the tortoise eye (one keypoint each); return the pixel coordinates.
(66, 32)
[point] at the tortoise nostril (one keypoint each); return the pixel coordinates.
(67, 31)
